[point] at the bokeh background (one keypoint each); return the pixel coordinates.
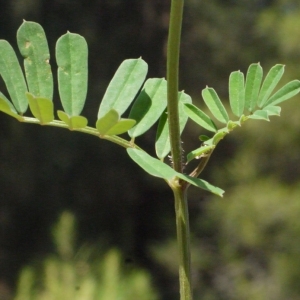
(245, 246)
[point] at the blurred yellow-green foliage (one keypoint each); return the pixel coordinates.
(67, 278)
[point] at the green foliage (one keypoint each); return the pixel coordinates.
(71, 57)
(237, 92)
(13, 77)
(126, 85)
(7, 107)
(215, 105)
(198, 116)
(74, 122)
(162, 143)
(269, 84)
(242, 95)
(33, 46)
(41, 108)
(63, 277)
(252, 86)
(148, 106)
(111, 124)
(150, 103)
(159, 169)
(249, 98)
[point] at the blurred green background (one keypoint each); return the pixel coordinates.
(245, 246)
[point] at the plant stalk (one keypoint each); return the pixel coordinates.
(172, 81)
(181, 207)
(183, 243)
(89, 130)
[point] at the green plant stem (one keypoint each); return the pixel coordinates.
(172, 81)
(181, 207)
(183, 242)
(198, 170)
(89, 130)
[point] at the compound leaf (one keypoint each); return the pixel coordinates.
(202, 184)
(162, 144)
(124, 86)
(33, 46)
(286, 92)
(270, 83)
(260, 115)
(198, 116)
(232, 124)
(214, 104)
(7, 107)
(41, 108)
(273, 110)
(157, 168)
(122, 126)
(13, 77)
(219, 136)
(151, 165)
(107, 121)
(197, 153)
(71, 57)
(111, 124)
(203, 138)
(74, 122)
(237, 92)
(252, 86)
(148, 106)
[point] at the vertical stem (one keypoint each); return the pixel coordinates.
(183, 241)
(172, 78)
(181, 208)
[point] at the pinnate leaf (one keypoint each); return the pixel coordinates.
(107, 121)
(259, 115)
(270, 83)
(219, 136)
(111, 124)
(122, 126)
(41, 108)
(157, 168)
(74, 122)
(272, 110)
(162, 144)
(237, 92)
(232, 124)
(214, 104)
(202, 184)
(198, 116)
(197, 153)
(33, 46)
(286, 92)
(149, 105)
(13, 77)
(151, 165)
(252, 86)
(124, 86)
(71, 57)
(7, 107)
